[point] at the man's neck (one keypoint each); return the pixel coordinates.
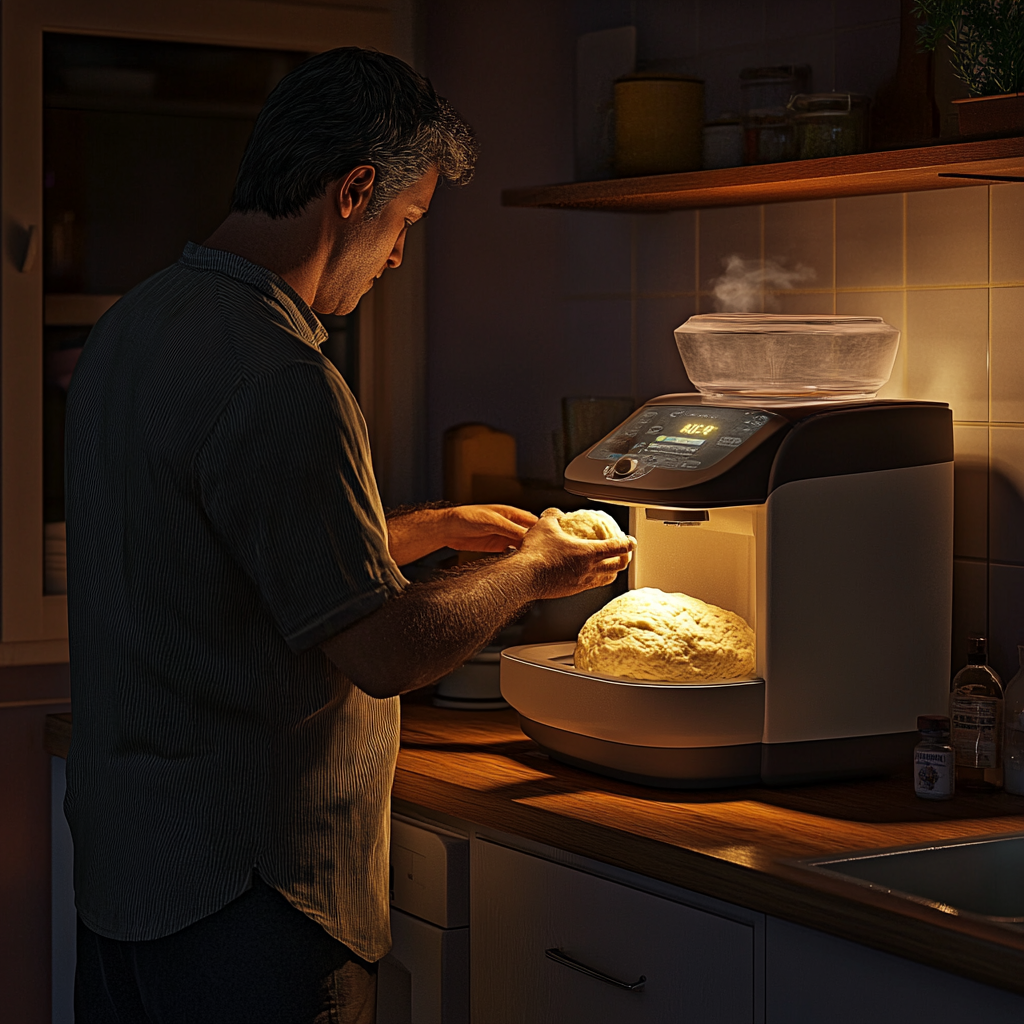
(291, 247)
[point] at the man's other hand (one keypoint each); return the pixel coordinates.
(416, 533)
(485, 527)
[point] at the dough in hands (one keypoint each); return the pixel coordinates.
(590, 524)
(657, 637)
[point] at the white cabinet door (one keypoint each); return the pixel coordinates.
(812, 977)
(698, 966)
(425, 979)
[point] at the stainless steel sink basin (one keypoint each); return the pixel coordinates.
(979, 877)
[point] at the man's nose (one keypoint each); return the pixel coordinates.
(395, 259)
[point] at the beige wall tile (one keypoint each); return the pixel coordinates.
(869, 242)
(1006, 495)
(800, 235)
(722, 232)
(810, 303)
(889, 306)
(947, 236)
(970, 608)
(1005, 618)
(947, 349)
(970, 491)
(666, 252)
(596, 247)
(1008, 232)
(1007, 312)
(659, 369)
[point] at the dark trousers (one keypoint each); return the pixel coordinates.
(256, 961)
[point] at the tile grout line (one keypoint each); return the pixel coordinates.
(988, 437)
(905, 384)
(696, 262)
(633, 340)
(835, 243)
(884, 289)
(764, 292)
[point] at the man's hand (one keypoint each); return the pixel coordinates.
(432, 627)
(414, 534)
(567, 565)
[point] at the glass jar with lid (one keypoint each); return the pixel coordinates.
(768, 133)
(769, 88)
(829, 123)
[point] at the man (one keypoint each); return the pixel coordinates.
(239, 627)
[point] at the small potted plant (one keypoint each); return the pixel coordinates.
(986, 44)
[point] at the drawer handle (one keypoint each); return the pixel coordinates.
(567, 961)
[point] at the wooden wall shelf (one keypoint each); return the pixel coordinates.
(863, 174)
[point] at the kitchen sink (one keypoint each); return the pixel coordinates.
(977, 877)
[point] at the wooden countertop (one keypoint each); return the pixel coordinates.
(736, 844)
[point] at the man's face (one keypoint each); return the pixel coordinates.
(371, 248)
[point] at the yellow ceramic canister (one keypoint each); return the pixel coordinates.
(658, 123)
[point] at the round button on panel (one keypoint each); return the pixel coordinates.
(626, 465)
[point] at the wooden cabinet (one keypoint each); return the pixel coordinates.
(120, 138)
(530, 916)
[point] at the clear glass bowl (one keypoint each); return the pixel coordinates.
(787, 358)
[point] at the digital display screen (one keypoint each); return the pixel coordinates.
(681, 437)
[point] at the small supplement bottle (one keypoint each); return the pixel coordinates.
(934, 760)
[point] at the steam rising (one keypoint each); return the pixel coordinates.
(748, 286)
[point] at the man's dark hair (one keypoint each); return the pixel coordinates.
(341, 109)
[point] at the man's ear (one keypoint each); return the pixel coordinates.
(354, 191)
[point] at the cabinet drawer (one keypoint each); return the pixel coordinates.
(698, 966)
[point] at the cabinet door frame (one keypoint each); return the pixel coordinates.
(33, 625)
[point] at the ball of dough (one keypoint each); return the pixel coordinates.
(672, 638)
(590, 524)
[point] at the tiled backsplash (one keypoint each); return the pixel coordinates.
(946, 267)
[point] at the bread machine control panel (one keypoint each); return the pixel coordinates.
(677, 437)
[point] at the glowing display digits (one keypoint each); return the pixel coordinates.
(703, 429)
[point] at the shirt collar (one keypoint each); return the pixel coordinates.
(199, 257)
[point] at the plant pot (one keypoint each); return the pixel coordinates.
(980, 115)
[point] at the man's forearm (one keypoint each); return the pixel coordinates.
(432, 628)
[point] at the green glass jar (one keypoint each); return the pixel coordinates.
(829, 123)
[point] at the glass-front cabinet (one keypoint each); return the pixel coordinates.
(123, 126)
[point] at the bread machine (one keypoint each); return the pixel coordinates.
(829, 528)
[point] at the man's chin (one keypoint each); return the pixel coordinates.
(343, 308)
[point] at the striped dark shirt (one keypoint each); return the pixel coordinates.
(222, 521)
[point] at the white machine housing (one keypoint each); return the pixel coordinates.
(845, 578)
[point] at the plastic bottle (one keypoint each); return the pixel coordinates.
(1013, 732)
(976, 712)
(934, 760)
